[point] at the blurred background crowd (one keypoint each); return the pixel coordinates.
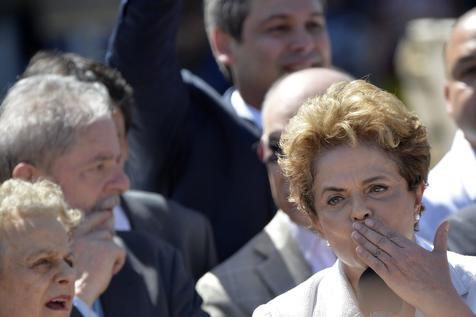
(390, 42)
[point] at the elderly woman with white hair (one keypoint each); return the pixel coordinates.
(36, 263)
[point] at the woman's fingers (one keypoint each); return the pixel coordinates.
(379, 235)
(374, 257)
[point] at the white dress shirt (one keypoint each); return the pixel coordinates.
(121, 223)
(451, 186)
(246, 111)
(315, 250)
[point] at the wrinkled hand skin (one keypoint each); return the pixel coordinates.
(97, 256)
(420, 277)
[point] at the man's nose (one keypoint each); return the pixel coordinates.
(119, 181)
(302, 41)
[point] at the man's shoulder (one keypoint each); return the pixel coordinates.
(199, 88)
(244, 261)
(258, 250)
(154, 205)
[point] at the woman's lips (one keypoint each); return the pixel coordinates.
(62, 302)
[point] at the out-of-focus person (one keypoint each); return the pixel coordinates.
(357, 161)
(37, 271)
(451, 183)
(286, 252)
(191, 144)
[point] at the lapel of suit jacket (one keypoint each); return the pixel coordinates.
(284, 266)
(127, 293)
(335, 296)
(124, 204)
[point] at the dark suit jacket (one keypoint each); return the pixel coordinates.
(186, 143)
(185, 229)
(153, 282)
(462, 233)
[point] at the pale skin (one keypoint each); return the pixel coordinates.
(37, 272)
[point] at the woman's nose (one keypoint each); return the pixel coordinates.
(66, 275)
(360, 211)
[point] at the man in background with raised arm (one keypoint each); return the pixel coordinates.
(190, 143)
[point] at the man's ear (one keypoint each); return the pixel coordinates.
(26, 172)
(221, 44)
(449, 106)
(260, 149)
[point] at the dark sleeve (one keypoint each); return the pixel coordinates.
(142, 48)
(75, 313)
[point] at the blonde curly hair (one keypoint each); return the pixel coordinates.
(351, 113)
(20, 199)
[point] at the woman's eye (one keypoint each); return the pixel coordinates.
(42, 263)
(378, 188)
(334, 200)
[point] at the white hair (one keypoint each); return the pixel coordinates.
(41, 116)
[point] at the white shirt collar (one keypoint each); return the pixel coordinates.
(121, 223)
(245, 111)
(315, 250)
(465, 158)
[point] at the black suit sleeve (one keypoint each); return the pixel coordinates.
(142, 48)
(75, 313)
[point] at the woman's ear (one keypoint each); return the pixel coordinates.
(26, 172)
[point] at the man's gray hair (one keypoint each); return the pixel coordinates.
(41, 116)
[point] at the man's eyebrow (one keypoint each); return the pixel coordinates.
(283, 16)
(100, 158)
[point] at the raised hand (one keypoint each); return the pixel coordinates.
(420, 277)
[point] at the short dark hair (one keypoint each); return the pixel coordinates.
(228, 15)
(87, 70)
